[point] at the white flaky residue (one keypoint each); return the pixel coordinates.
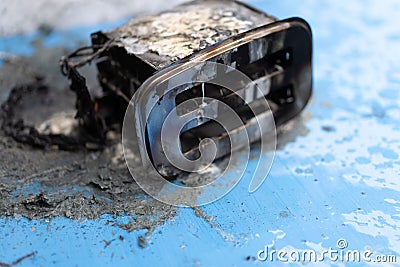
(177, 34)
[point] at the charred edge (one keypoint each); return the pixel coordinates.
(92, 126)
(17, 261)
(27, 134)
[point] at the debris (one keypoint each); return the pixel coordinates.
(2, 264)
(248, 258)
(210, 220)
(142, 242)
(76, 183)
(129, 55)
(328, 128)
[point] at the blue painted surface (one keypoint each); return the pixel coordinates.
(69, 38)
(341, 180)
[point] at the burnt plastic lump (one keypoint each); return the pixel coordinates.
(128, 55)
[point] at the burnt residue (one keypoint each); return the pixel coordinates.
(49, 182)
(129, 55)
(15, 127)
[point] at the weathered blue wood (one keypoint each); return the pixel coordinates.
(341, 180)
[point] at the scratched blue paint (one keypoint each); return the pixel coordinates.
(341, 180)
